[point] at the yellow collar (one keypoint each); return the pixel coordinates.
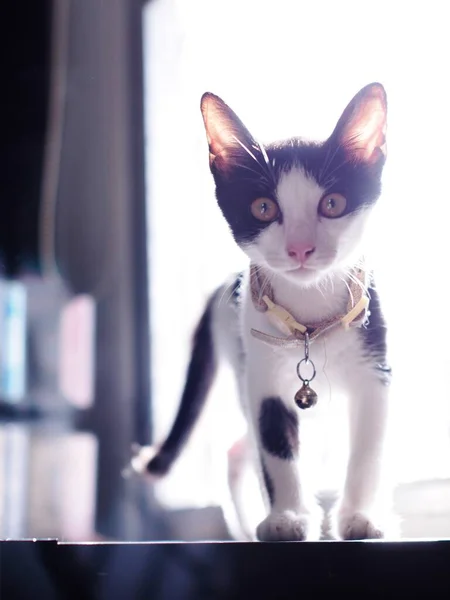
(264, 301)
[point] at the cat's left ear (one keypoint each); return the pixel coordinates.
(227, 136)
(361, 130)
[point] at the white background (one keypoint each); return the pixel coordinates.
(289, 68)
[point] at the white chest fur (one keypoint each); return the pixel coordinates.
(344, 371)
(337, 355)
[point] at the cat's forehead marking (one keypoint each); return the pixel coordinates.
(298, 193)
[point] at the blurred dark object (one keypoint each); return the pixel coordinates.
(73, 213)
(25, 49)
(219, 571)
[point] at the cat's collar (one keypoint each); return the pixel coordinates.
(263, 298)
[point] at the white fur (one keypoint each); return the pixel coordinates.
(337, 241)
(345, 382)
(345, 378)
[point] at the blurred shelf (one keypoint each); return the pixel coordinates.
(224, 570)
(19, 412)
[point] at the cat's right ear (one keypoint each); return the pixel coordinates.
(227, 136)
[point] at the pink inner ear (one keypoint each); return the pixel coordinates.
(219, 135)
(227, 136)
(365, 135)
(221, 151)
(219, 130)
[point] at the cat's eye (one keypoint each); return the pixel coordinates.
(332, 206)
(265, 209)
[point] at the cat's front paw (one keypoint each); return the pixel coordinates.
(357, 526)
(286, 526)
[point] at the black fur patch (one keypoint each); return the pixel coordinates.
(235, 194)
(246, 170)
(236, 291)
(326, 162)
(278, 428)
(385, 373)
(268, 483)
(374, 336)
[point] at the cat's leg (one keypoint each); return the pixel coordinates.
(244, 490)
(294, 513)
(362, 512)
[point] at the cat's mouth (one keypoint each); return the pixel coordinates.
(303, 274)
(303, 270)
(307, 275)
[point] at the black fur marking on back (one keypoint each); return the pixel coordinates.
(268, 483)
(374, 336)
(236, 291)
(200, 375)
(278, 429)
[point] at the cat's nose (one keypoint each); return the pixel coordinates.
(300, 251)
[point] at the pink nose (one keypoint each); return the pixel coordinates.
(300, 251)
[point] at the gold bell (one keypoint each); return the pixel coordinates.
(306, 396)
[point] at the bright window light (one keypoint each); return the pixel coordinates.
(289, 68)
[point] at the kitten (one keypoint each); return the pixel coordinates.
(299, 210)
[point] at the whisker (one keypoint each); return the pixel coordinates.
(357, 282)
(329, 175)
(227, 288)
(326, 174)
(328, 158)
(245, 148)
(269, 166)
(250, 153)
(329, 277)
(257, 173)
(324, 164)
(265, 284)
(349, 291)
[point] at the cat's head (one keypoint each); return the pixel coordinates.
(297, 207)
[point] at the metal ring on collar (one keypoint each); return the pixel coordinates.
(306, 361)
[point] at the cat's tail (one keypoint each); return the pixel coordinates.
(201, 372)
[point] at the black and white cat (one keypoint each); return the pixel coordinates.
(299, 210)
